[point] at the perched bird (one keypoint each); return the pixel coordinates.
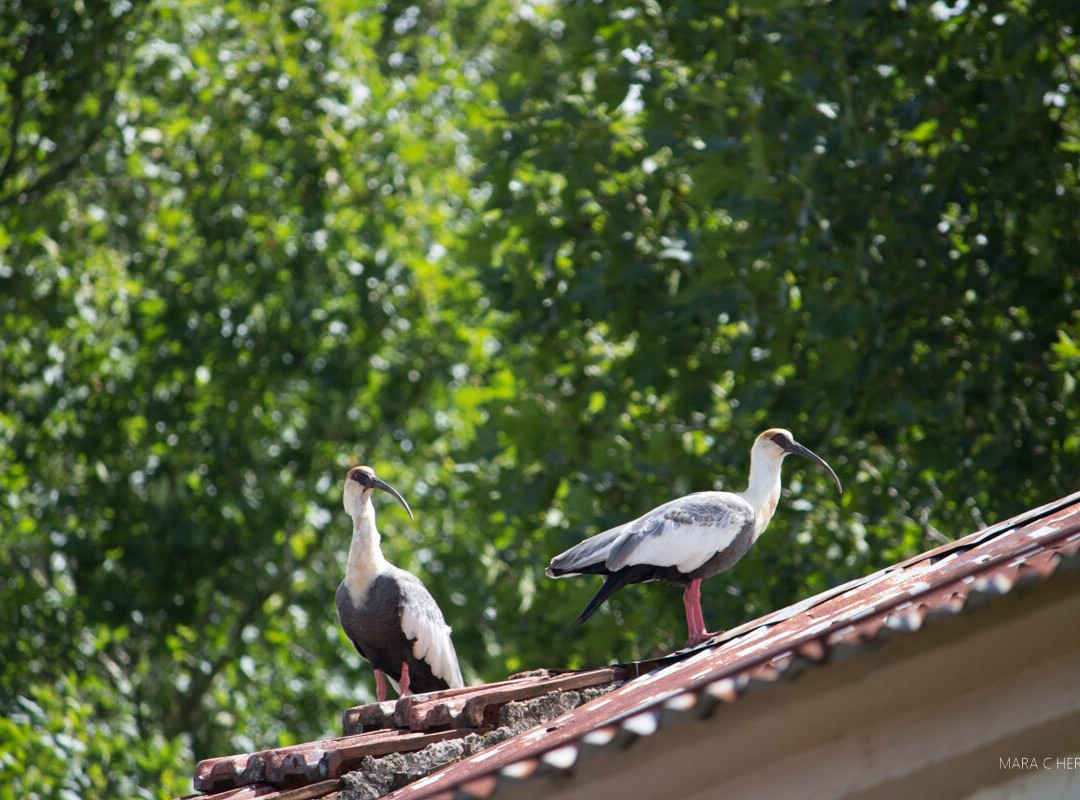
(690, 539)
(387, 613)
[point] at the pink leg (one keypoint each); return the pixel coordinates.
(403, 684)
(699, 617)
(695, 619)
(380, 686)
(691, 613)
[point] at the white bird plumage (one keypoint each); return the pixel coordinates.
(432, 642)
(683, 533)
(689, 539)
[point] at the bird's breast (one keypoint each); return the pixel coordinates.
(763, 515)
(359, 579)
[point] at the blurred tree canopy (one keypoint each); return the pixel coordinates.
(545, 266)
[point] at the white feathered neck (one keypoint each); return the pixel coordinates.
(365, 553)
(763, 491)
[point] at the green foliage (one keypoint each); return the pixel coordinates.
(790, 217)
(61, 65)
(545, 267)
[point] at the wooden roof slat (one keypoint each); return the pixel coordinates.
(240, 793)
(451, 707)
(344, 759)
(309, 792)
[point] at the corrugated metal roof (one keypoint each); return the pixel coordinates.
(655, 695)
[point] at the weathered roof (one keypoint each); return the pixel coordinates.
(405, 725)
(473, 745)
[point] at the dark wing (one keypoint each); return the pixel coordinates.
(351, 621)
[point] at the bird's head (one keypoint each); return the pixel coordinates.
(778, 443)
(360, 483)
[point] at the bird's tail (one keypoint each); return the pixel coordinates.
(584, 557)
(612, 584)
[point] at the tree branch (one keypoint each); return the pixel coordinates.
(61, 170)
(18, 102)
(192, 709)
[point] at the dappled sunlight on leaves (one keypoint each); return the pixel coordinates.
(546, 267)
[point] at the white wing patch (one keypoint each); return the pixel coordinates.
(681, 535)
(432, 642)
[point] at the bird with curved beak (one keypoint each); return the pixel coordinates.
(689, 539)
(387, 613)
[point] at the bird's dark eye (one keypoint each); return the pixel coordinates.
(780, 439)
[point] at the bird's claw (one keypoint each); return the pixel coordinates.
(701, 638)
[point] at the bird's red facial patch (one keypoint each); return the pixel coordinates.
(361, 474)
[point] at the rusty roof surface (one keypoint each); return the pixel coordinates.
(645, 697)
(406, 725)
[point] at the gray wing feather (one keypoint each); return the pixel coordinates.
(684, 533)
(593, 550)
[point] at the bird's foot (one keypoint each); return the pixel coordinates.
(380, 686)
(403, 684)
(701, 637)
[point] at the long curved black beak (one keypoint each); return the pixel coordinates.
(806, 452)
(386, 487)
